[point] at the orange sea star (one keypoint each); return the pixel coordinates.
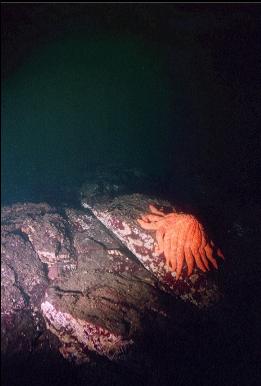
(181, 237)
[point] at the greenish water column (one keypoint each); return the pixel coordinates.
(80, 101)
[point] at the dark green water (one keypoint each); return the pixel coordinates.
(184, 112)
(79, 102)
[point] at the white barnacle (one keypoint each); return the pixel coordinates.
(127, 230)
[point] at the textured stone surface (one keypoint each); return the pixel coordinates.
(24, 282)
(120, 216)
(64, 274)
(105, 304)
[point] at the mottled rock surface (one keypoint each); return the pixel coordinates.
(76, 286)
(24, 282)
(120, 215)
(66, 276)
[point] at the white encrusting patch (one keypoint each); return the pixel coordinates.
(76, 334)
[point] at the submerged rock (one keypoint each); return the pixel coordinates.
(120, 216)
(64, 274)
(87, 284)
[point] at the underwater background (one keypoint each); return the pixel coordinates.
(170, 91)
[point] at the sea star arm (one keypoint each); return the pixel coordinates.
(199, 242)
(181, 238)
(202, 246)
(148, 225)
(160, 239)
(154, 210)
(209, 248)
(180, 251)
(188, 253)
(170, 258)
(192, 241)
(174, 233)
(189, 259)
